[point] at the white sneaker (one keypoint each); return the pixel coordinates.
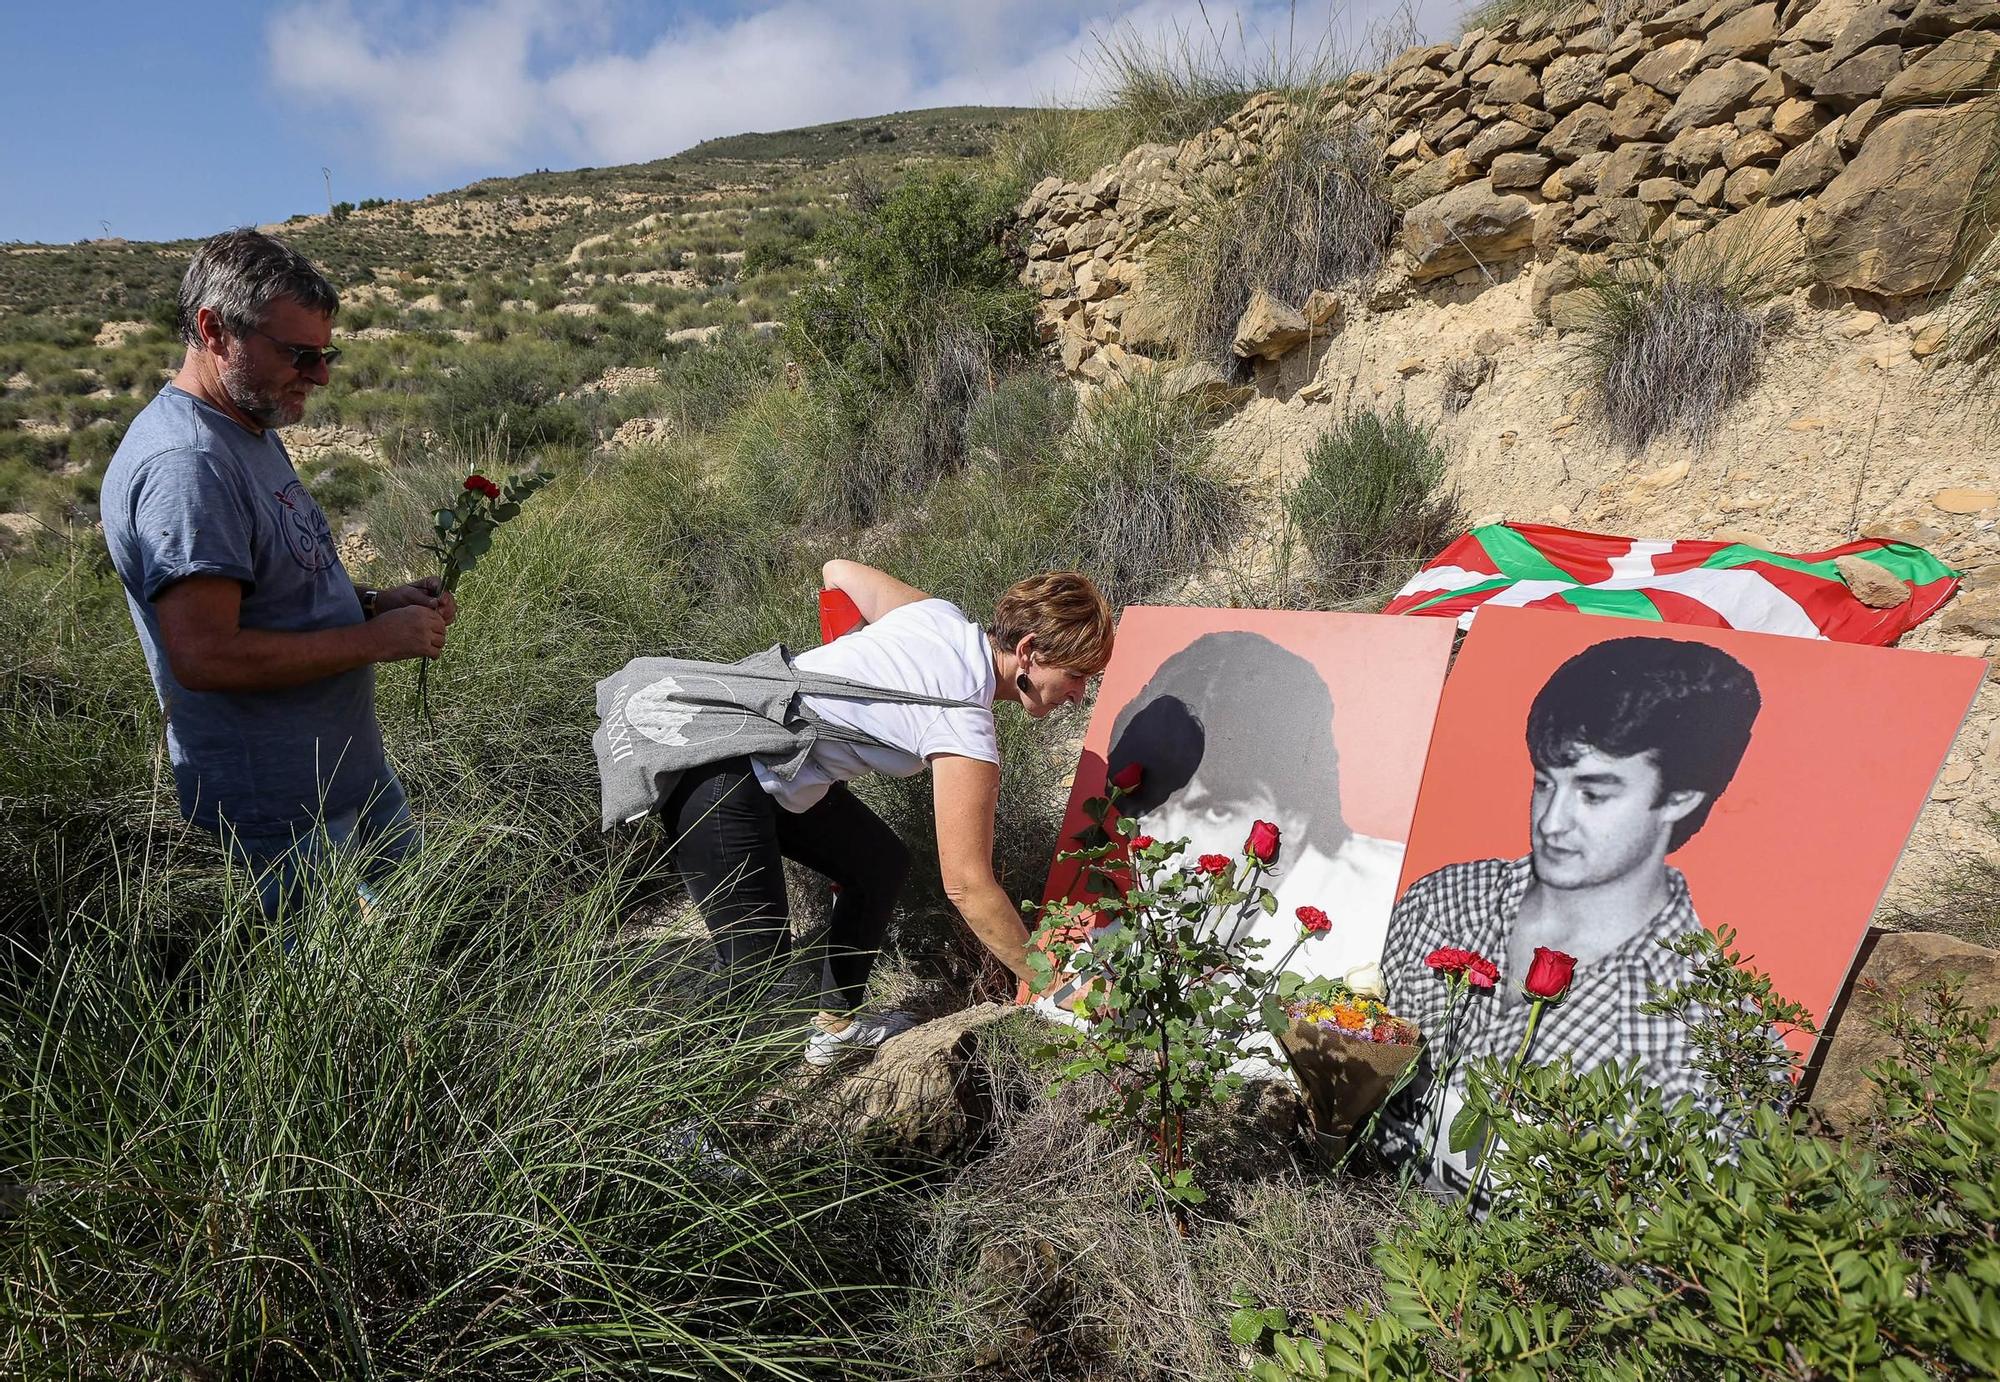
(864, 1033)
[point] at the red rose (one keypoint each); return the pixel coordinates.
(1263, 842)
(1140, 842)
(490, 490)
(1449, 959)
(1316, 922)
(1129, 777)
(1213, 863)
(475, 483)
(1482, 973)
(1549, 974)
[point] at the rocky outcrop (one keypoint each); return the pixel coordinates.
(1900, 967)
(1543, 136)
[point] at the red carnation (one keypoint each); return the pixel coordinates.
(1549, 974)
(1316, 922)
(1213, 863)
(1129, 777)
(1449, 959)
(1482, 973)
(1140, 842)
(1263, 842)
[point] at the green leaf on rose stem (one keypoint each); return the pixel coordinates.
(504, 512)
(1268, 901)
(1468, 1128)
(477, 543)
(445, 518)
(1276, 1019)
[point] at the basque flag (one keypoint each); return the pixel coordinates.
(1719, 584)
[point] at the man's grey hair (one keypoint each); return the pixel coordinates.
(240, 274)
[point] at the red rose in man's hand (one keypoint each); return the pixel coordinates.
(1549, 974)
(1213, 863)
(1129, 777)
(1263, 842)
(1316, 922)
(1481, 972)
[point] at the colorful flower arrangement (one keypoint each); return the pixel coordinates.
(1358, 1016)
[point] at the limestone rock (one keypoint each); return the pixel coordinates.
(1962, 66)
(1268, 328)
(1519, 168)
(1427, 180)
(1696, 149)
(1496, 139)
(1860, 78)
(1638, 114)
(1468, 225)
(925, 1091)
(1746, 185)
(1942, 18)
(1811, 166)
(1872, 585)
(1858, 124)
(1964, 500)
(1821, 24)
(1708, 191)
(1753, 147)
(1975, 614)
(1750, 34)
(1626, 167)
(1571, 80)
(1661, 191)
(1584, 130)
(1509, 84)
(1146, 325)
(1869, 25)
(1323, 310)
(1902, 963)
(1795, 120)
(1670, 66)
(1714, 95)
(1888, 223)
(1564, 274)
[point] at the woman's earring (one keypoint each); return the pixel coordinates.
(1021, 681)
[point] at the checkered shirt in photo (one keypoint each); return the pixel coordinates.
(1475, 905)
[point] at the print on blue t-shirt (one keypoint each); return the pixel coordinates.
(192, 492)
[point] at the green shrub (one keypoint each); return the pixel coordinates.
(1372, 504)
(342, 481)
(928, 254)
(1058, 142)
(507, 393)
(1164, 89)
(1630, 1239)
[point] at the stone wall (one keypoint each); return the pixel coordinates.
(1850, 127)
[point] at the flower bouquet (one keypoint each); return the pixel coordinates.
(1350, 1054)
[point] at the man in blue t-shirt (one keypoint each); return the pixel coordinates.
(262, 650)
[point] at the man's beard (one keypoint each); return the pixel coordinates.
(265, 407)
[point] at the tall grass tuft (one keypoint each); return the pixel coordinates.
(1316, 214)
(473, 1133)
(1190, 78)
(1672, 336)
(1142, 502)
(1372, 504)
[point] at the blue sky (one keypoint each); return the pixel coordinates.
(168, 121)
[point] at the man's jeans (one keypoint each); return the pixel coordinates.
(379, 834)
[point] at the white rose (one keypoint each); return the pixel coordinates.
(1366, 980)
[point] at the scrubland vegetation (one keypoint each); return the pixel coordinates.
(499, 1127)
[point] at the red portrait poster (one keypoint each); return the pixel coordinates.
(1598, 787)
(1317, 722)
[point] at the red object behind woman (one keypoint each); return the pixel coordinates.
(837, 615)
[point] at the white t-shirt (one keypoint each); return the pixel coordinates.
(929, 646)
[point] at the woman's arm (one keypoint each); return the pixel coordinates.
(874, 592)
(966, 792)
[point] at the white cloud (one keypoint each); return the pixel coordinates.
(502, 84)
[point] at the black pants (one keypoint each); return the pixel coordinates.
(731, 837)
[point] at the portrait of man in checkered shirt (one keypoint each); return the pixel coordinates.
(1632, 741)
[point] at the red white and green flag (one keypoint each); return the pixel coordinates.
(1718, 584)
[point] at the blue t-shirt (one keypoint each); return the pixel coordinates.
(192, 492)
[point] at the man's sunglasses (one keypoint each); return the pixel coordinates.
(303, 357)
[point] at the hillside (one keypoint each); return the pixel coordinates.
(710, 237)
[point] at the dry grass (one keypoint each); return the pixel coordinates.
(1972, 312)
(1675, 334)
(1964, 902)
(1046, 1260)
(1315, 215)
